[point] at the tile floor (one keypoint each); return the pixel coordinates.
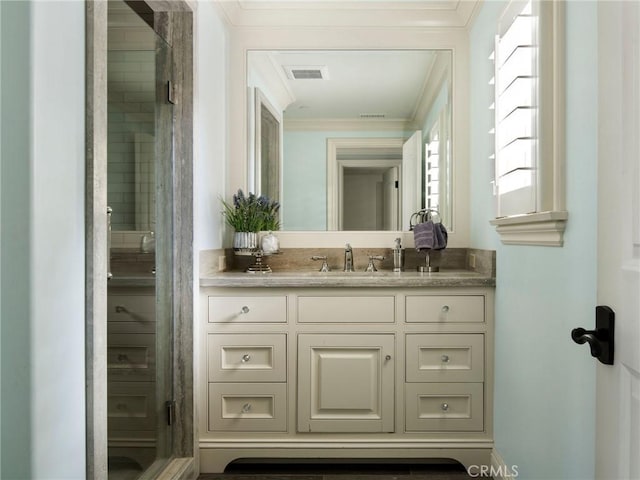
(327, 471)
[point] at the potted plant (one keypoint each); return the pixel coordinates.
(248, 215)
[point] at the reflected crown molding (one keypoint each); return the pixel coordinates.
(339, 124)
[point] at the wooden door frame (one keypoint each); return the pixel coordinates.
(174, 23)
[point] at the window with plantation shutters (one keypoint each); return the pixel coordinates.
(516, 114)
(529, 123)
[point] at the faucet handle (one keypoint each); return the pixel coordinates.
(324, 267)
(371, 267)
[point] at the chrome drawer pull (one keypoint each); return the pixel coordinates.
(246, 357)
(445, 358)
(444, 407)
(244, 310)
(246, 408)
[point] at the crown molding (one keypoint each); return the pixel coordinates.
(433, 13)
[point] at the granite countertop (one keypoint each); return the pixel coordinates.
(132, 280)
(291, 279)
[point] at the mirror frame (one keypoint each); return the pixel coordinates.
(365, 38)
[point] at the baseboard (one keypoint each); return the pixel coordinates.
(178, 469)
(500, 470)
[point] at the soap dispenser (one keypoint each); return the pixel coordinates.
(398, 257)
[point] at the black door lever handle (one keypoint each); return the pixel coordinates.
(581, 336)
(601, 339)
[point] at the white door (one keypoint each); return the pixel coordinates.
(618, 386)
(390, 199)
(411, 177)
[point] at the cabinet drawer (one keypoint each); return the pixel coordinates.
(131, 357)
(444, 309)
(256, 407)
(247, 357)
(248, 309)
(443, 357)
(131, 406)
(131, 313)
(444, 407)
(352, 309)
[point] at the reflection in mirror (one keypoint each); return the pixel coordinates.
(131, 121)
(436, 169)
(268, 159)
(330, 96)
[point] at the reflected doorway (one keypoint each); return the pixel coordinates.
(370, 195)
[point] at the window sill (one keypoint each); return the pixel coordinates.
(541, 229)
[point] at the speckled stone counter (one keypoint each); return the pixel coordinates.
(459, 268)
(453, 278)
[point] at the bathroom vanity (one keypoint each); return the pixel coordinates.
(131, 372)
(299, 365)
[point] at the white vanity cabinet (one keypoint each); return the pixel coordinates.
(359, 372)
(346, 382)
(131, 373)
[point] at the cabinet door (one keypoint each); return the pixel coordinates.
(346, 383)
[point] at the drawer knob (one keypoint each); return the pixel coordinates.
(444, 407)
(121, 406)
(387, 357)
(445, 308)
(246, 357)
(246, 408)
(445, 358)
(244, 309)
(122, 357)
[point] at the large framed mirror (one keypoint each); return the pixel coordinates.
(355, 127)
(305, 178)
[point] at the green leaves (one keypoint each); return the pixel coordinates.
(250, 213)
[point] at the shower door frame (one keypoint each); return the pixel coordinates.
(173, 21)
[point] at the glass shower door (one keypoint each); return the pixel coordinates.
(140, 293)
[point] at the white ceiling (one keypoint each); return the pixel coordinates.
(376, 82)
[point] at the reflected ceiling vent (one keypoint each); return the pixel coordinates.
(306, 72)
(372, 115)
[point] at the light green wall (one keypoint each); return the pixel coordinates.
(15, 261)
(434, 112)
(43, 376)
(305, 176)
(545, 384)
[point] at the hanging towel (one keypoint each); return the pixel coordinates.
(440, 237)
(424, 235)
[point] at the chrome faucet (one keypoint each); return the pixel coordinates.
(348, 258)
(371, 267)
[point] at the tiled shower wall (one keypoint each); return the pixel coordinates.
(131, 99)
